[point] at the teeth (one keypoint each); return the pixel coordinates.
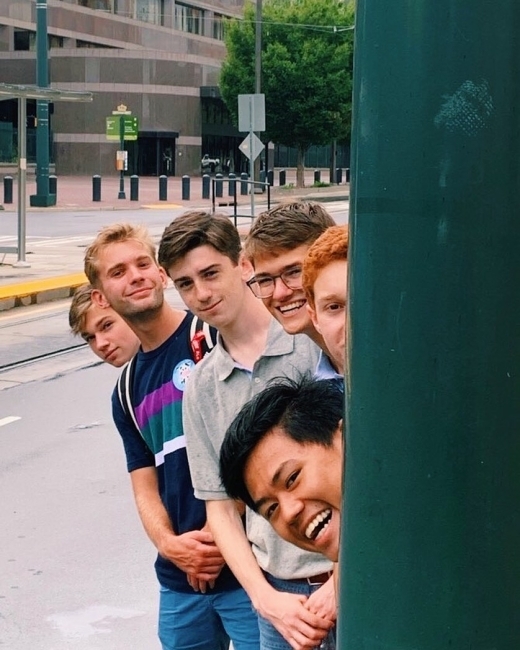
(318, 519)
(291, 306)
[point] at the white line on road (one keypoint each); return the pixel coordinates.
(8, 420)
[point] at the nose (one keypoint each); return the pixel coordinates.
(290, 507)
(134, 273)
(202, 291)
(281, 290)
(101, 341)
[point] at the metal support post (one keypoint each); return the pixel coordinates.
(185, 188)
(134, 187)
(96, 187)
(205, 186)
(430, 528)
(22, 182)
(163, 187)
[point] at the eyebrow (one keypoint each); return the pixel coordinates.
(283, 269)
(119, 265)
(276, 479)
(201, 272)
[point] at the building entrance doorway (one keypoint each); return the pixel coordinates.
(152, 154)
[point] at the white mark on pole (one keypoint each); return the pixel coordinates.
(9, 419)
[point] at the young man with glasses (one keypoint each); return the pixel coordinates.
(276, 247)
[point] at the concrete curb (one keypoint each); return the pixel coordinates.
(35, 292)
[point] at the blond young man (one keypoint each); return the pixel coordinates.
(107, 334)
(201, 603)
(324, 281)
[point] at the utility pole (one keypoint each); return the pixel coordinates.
(255, 167)
(430, 523)
(42, 198)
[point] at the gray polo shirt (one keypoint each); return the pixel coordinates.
(217, 390)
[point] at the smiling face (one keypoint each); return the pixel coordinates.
(130, 280)
(109, 336)
(329, 313)
(297, 488)
(210, 284)
(287, 305)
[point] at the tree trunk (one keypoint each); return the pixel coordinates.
(300, 168)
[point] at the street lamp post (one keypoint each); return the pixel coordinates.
(42, 198)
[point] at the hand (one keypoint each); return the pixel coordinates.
(323, 601)
(195, 553)
(200, 585)
(300, 627)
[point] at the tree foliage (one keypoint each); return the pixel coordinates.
(306, 70)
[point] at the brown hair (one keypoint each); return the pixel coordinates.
(81, 303)
(115, 233)
(332, 245)
(198, 228)
(285, 227)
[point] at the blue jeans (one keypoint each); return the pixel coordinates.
(194, 621)
(270, 638)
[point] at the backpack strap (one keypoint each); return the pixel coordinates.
(201, 339)
(124, 390)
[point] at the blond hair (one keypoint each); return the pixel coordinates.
(81, 303)
(115, 233)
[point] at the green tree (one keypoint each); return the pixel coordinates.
(306, 70)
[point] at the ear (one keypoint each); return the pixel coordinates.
(165, 278)
(247, 270)
(312, 314)
(99, 299)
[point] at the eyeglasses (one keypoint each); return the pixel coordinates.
(263, 286)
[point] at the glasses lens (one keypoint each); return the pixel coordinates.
(293, 277)
(262, 288)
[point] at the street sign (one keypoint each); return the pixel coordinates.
(251, 112)
(251, 146)
(131, 127)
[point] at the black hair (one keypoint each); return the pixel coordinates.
(307, 410)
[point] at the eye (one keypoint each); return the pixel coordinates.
(294, 272)
(106, 325)
(264, 282)
(88, 338)
(270, 511)
(183, 285)
(143, 264)
(210, 274)
(335, 306)
(116, 273)
(292, 478)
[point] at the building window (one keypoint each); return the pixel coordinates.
(99, 5)
(24, 40)
(189, 19)
(150, 11)
(218, 27)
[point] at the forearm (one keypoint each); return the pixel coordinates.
(151, 510)
(230, 537)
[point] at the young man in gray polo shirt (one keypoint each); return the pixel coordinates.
(291, 589)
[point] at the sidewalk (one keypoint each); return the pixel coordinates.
(60, 273)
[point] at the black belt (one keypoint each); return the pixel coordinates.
(319, 579)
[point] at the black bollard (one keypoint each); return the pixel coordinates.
(347, 175)
(185, 188)
(219, 185)
(53, 184)
(8, 189)
(134, 187)
(317, 176)
(232, 184)
(96, 187)
(243, 185)
(262, 179)
(163, 188)
(205, 186)
(281, 177)
(339, 175)
(270, 177)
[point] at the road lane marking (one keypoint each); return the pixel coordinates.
(8, 420)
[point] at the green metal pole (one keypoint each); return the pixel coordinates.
(430, 555)
(42, 198)
(121, 194)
